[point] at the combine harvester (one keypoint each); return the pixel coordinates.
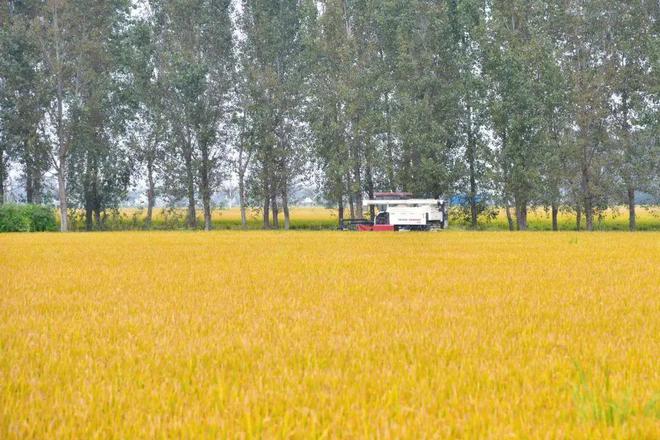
(398, 211)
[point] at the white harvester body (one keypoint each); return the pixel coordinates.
(410, 214)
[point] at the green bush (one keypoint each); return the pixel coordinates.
(26, 218)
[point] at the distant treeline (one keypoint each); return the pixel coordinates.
(527, 103)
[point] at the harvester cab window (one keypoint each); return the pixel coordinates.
(383, 218)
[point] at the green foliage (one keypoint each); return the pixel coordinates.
(26, 218)
(599, 402)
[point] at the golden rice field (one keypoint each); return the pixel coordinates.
(330, 335)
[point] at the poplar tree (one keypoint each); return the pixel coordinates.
(631, 28)
(22, 98)
(148, 126)
(98, 163)
(515, 68)
(427, 101)
(196, 49)
(273, 61)
(56, 29)
(329, 56)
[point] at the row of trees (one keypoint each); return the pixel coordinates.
(521, 102)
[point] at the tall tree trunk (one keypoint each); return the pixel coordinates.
(242, 168)
(89, 219)
(351, 205)
(2, 177)
(89, 199)
(578, 217)
(285, 207)
(190, 188)
(266, 213)
(29, 189)
(151, 191)
(630, 188)
(276, 211)
(206, 200)
(242, 198)
(37, 188)
(585, 186)
(61, 192)
(370, 186)
(96, 199)
(588, 214)
(632, 218)
(357, 196)
(357, 173)
(97, 217)
(205, 185)
(92, 200)
(509, 217)
(266, 193)
(273, 203)
(89, 216)
(521, 215)
(390, 147)
(340, 200)
(555, 212)
(87, 194)
(473, 197)
(32, 172)
(471, 156)
(62, 147)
